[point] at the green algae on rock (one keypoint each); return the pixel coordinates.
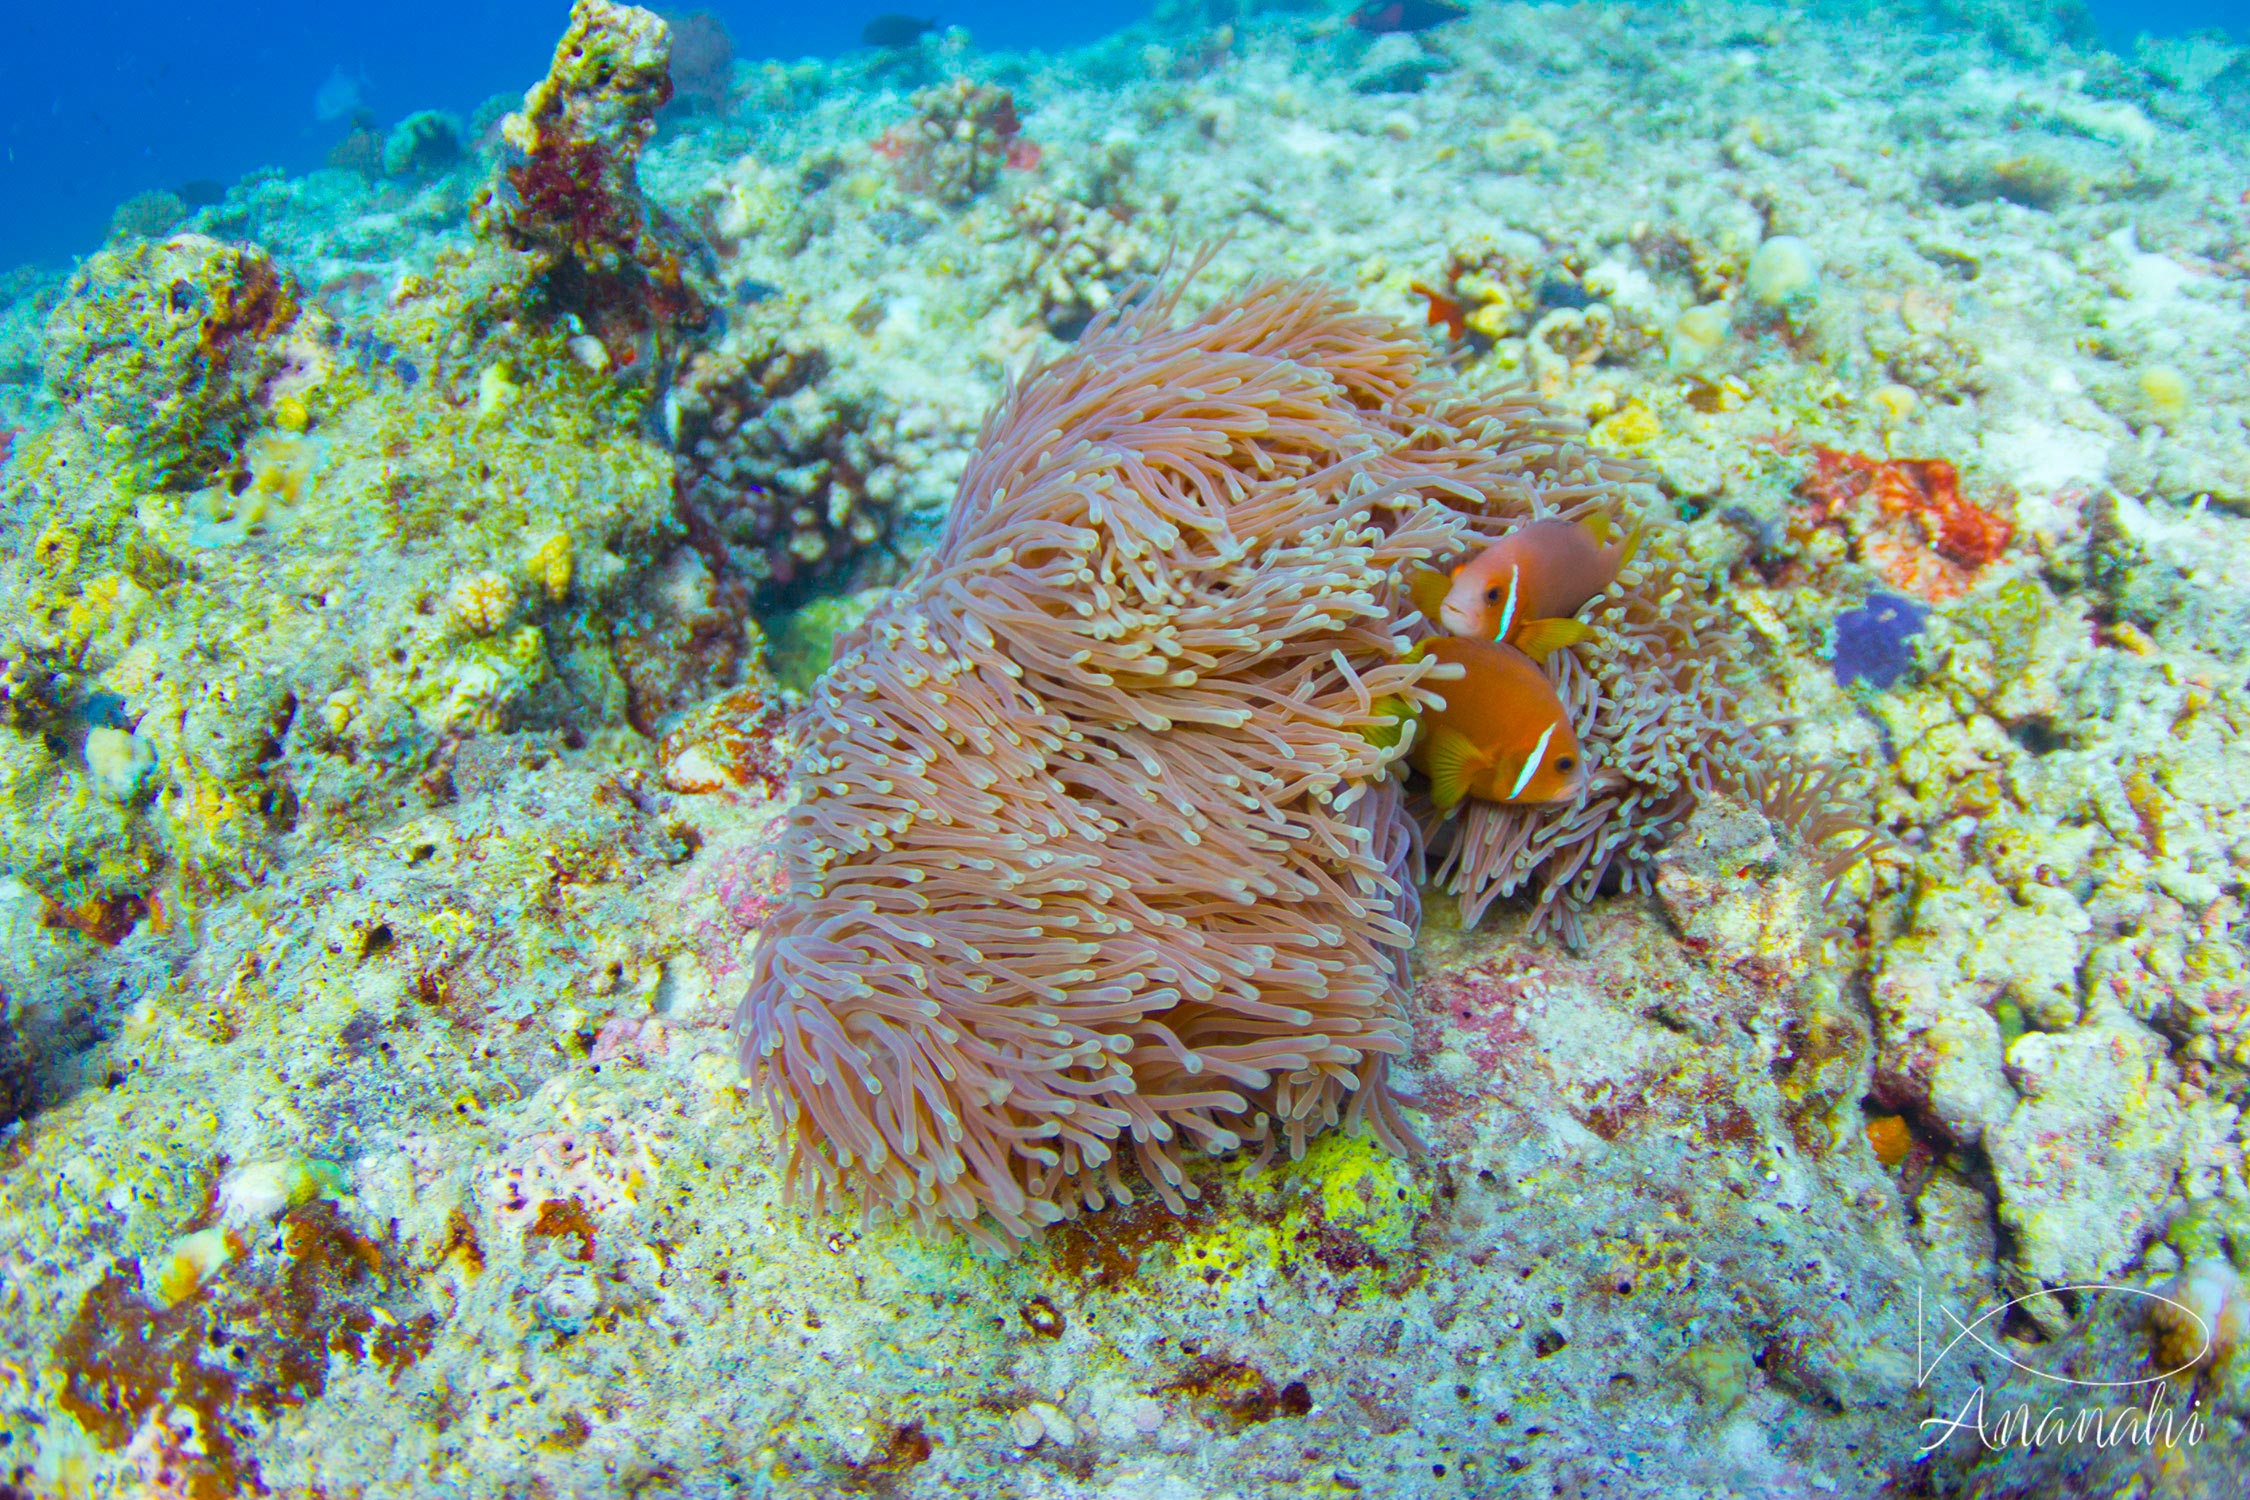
(163, 350)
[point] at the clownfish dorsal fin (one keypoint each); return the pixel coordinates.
(1602, 529)
(1538, 639)
(1453, 763)
(1427, 587)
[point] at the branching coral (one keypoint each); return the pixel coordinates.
(1097, 847)
(786, 477)
(963, 134)
(1074, 258)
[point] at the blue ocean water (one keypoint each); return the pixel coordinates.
(103, 99)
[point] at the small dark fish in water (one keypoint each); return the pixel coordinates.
(1406, 15)
(751, 293)
(892, 30)
(201, 193)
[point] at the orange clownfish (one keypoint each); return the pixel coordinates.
(1502, 735)
(1524, 588)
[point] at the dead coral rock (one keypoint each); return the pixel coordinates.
(19, 1085)
(1682, 1103)
(161, 350)
(1940, 1050)
(732, 742)
(571, 197)
(1737, 889)
(2087, 1160)
(682, 640)
(258, 1338)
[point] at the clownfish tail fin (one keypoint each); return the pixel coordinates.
(1538, 639)
(1453, 763)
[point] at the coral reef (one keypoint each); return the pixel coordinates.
(1075, 259)
(963, 134)
(424, 144)
(147, 216)
(394, 807)
(1923, 535)
(1875, 642)
(784, 478)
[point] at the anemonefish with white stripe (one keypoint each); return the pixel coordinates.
(1502, 734)
(1524, 588)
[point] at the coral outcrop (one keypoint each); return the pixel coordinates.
(962, 135)
(163, 348)
(570, 196)
(785, 473)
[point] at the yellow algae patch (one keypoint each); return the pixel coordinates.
(1347, 1204)
(1366, 1191)
(189, 1261)
(1633, 427)
(496, 390)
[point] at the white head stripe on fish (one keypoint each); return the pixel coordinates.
(1531, 762)
(1508, 614)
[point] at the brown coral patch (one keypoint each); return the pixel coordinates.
(259, 1335)
(1105, 1251)
(108, 920)
(565, 1219)
(1233, 1394)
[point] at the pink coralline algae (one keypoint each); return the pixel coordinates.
(739, 886)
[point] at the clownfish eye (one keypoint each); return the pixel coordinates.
(1492, 595)
(1564, 763)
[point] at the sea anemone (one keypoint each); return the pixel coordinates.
(1097, 846)
(1094, 851)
